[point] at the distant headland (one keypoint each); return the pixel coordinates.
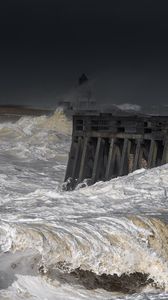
(14, 112)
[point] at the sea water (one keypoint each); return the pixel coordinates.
(106, 241)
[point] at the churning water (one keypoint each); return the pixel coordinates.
(107, 241)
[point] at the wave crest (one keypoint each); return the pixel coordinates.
(58, 121)
(123, 246)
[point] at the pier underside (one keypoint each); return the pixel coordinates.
(106, 146)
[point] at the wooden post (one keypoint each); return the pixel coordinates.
(95, 165)
(68, 170)
(165, 153)
(116, 158)
(71, 159)
(155, 152)
(78, 146)
(137, 152)
(107, 174)
(152, 154)
(83, 159)
(123, 157)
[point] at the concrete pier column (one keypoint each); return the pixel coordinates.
(152, 154)
(116, 159)
(124, 155)
(69, 166)
(165, 153)
(72, 158)
(137, 153)
(77, 152)
(109, 160)
(83, 160)
(155, 154)
(95, 165)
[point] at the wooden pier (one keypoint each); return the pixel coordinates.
(105, 146)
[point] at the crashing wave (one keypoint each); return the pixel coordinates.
(114, 246)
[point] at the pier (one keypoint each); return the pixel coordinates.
(105, 146)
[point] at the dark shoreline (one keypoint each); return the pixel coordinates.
(13, 113)
(23, 110)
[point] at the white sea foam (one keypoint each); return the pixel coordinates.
(129, 106)
(86, 244)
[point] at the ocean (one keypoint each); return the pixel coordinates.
(106, 241)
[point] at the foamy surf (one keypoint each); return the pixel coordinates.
(107, 241)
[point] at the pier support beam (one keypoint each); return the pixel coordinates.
(144, 154)
(116, 159)
(95, 165)
(124, 157)
(78, 148)
(137, 153)
(165, 153)
(83, 160)
(72, 161)
(69, 166)
(152, 154)
(109, 160)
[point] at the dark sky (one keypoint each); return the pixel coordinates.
(46, 45)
